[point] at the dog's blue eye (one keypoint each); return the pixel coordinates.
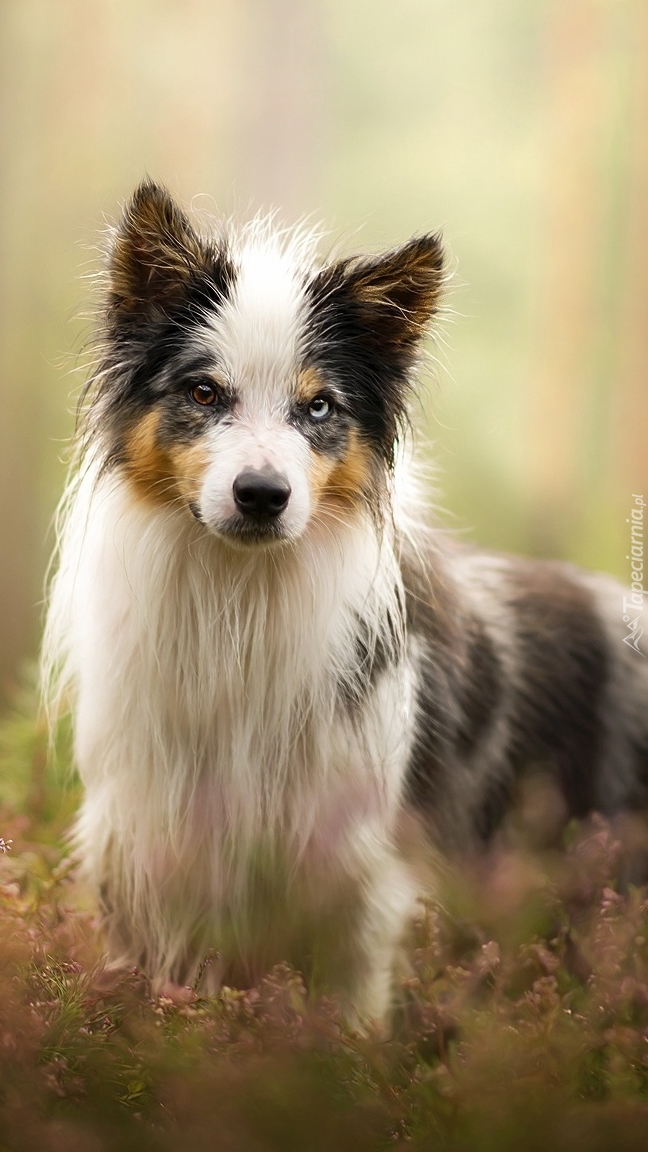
(320, 408)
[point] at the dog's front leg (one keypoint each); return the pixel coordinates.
(368, 938)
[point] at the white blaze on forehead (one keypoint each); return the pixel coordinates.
(256, 332)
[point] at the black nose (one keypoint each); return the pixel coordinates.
(263, 493)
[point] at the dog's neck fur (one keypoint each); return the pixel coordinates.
(223, 658)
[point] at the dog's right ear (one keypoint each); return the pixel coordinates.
(157, 256)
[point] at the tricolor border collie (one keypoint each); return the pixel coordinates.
(277, 671)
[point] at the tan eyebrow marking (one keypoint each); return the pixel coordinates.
(309, 386)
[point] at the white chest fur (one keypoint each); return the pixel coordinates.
(210, 731)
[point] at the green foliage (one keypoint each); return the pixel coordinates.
(523, 1023)
(36, 774)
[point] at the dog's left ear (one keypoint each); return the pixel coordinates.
(398, 292)
(386, 300)
(369, 316)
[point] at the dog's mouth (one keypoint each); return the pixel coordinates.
(253, 530)
(245, 531)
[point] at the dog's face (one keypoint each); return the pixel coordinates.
(258, 390)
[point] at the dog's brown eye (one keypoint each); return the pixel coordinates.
(320, 408)
(203, 393)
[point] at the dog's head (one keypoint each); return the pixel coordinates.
(249, 384)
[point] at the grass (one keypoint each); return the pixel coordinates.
(525, 1023)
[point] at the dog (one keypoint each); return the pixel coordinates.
(281, 675)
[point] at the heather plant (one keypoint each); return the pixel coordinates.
(523, 1021)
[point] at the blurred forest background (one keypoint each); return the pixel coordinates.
(519, 127)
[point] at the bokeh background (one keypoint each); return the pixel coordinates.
(520, 127)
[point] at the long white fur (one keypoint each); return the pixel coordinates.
(204, 681)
